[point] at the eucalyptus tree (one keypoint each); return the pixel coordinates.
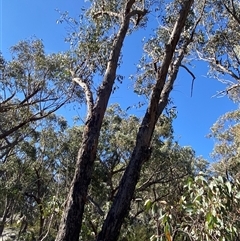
(98, 51)
(219, 44)
(164, 72)
(162, 178)
(33, 85)
(30, 180)
(225, 133)
(206, 209)
(38, 176)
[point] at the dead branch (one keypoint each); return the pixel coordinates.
(88, 93)
(191, 73)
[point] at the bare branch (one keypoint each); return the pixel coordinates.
(219, 66)
(161, 180)
(176, 64)
(193, 76)
(30, 95)
(38, 116)
(154, 201)
(198, 21)
(88, 93)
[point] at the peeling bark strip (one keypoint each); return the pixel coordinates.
(141, 153)
(71, 221)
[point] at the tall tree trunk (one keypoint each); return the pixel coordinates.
(8, 205)
(142, 151)
(71, 221)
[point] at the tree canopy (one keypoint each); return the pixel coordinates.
(117, 176)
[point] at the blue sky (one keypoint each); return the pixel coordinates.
(24, 19)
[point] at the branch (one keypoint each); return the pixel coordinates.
(100, 211)
(233, 12)
(118, 170)
(224, 92)
(182, 51)
(88, 94)
(128, 7)
(38, 116)
(109, 13)
(30, 96)
(197, 22)
(50, 221)
(145, 184)
(225, 70)
(193, 76)
(154, 201)
(218, 66)
(176, 64)
(233, 87)
(149, 183)
(178, 61)
(9, 98)
(48, 229)
(4, 156)
(139, 13)
(37, 199)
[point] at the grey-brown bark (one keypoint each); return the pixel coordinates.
(70, 224)
(142, 151)
(3, 220)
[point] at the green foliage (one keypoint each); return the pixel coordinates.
(34, 85)
(220, 43)
(226, 150)
(212, 204)
(30, 180)
(207, 210)
(177, 197)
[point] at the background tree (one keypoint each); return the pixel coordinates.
(34, 85)
(226, 150)
(219, 44)
(30, 183)
(115, 144)
(36, 177)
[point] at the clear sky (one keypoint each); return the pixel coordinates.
(21, 20)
